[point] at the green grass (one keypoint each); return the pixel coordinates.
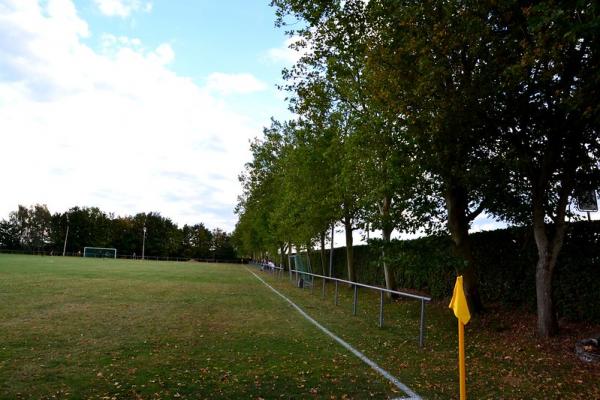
(84, 328)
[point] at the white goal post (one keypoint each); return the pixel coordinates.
(100, 252)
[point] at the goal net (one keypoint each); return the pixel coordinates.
(99, 252)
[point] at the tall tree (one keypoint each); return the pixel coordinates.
(551, 139)
(257, 232)
(197, 241)
(326, 93)
(9, 235)
(439, 65)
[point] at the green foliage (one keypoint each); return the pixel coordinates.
(197, 241)
(443, 110)
(28, 228)
(577, 287)
(35, 229)
(9, 235)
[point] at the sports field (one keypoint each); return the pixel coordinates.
(111, 329)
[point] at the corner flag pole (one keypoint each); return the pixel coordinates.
(461, 361)
(461, 310)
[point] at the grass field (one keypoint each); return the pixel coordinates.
(110, 329)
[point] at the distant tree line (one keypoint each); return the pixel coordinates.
(36, 229)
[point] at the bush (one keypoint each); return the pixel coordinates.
(506, 260)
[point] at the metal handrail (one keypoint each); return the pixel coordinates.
(356, 285)
(405, 294)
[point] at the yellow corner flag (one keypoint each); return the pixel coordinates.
(461, 310)
(459, 302)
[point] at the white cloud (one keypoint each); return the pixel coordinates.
(115, 129)
(122, 8)
(285, 54)
(234, 83)
(111, 42)
(163, 54)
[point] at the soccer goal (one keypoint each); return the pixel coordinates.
(99, 252)
(296, 263)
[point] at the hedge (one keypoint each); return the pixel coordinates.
(506, 260)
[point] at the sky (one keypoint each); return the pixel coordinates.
(135, 105)
(138, 105)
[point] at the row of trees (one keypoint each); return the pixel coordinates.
(422, 115)
(35, 228)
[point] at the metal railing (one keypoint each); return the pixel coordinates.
(278, 271)
(121, 256)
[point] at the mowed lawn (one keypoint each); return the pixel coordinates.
(112, 329)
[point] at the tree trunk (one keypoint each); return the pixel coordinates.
(349, 249)
(390, 278)
(547, 324)
(289, 255)
(323, 261)
(548, 249)
(282, 255)
(458, 225)
(331, 252)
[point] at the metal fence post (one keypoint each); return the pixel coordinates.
(355, 286)
(355, 300)
(422, 327)
(381, 310)
(335, 296)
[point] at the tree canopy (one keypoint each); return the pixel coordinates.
(36, 229)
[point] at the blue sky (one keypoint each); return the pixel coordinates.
(206, 35)
(135, 105)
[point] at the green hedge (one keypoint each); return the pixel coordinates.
(506, 260)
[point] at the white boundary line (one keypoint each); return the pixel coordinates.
(412, 395)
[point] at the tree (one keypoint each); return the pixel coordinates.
(327, 95)
(197, 241)
(9, 235)
(257, 232)
(221, 245)
(550, 142)
(163, 238)
(88, 226)
(125, 235)
(439, 66)
(27, 228)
